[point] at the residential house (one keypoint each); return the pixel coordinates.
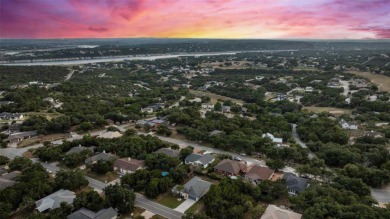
(309, 89)
(274, 140)
(102, 156)
(275, 212)
(8, 180)
(79, 149)
(256, 174)
(83, 213)
(229, 167)
(199, 160)
(110, 135)
(54, 200)
(16, 137)
(207, 106)
(11, 116)
(153, 108)
(346, 125)
(128, 165)
(169, 152)
(295, 184)
(226, 109)
(193, 189)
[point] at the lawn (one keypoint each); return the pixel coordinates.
(167, 199)
(106, 178)
(196, 208)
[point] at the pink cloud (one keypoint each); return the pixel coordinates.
(195, 18)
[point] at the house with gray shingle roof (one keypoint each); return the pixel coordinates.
(8, 180)
(199, 160)
(102, 156)
(83, 213)
(79, 149)
(54, 200)
(295, 184)
(169, 152)
(193, 189)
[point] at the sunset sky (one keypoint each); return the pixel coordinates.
(318, 19)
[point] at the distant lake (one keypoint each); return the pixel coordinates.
(123, 58)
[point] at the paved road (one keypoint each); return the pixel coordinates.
(143, 202)
(69, 75)
(296, 137)
(140, 200)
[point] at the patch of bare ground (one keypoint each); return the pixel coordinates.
(215, 97)
(382, 81)
(332, 110)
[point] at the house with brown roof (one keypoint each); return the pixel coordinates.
(275, 212)
(229, 167)
(258, 173)
(128, 165)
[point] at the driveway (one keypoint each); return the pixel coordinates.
(185, 205)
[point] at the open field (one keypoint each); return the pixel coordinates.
(48, 116)
(215, 97)
(332, 110)
(382, 81)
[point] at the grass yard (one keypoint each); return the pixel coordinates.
(332, 110)
(108, 177)
(382, 81)
(167, 199)
(196, 208)
(215, 97)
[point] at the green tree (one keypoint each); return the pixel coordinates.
(218, 106)
(3, 160)
(102, 166)
(120, 198)
(90, 200)
(19, 163)
(70, 179)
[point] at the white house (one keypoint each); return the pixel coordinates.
(345, 125)
(274, 140)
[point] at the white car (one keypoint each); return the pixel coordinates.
(237, 158)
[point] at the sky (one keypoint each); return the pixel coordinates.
(264, 19)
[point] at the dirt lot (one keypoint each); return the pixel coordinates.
(41, 138)
(215, 97)
(48, 116)
(332, 110)
(382, 81)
